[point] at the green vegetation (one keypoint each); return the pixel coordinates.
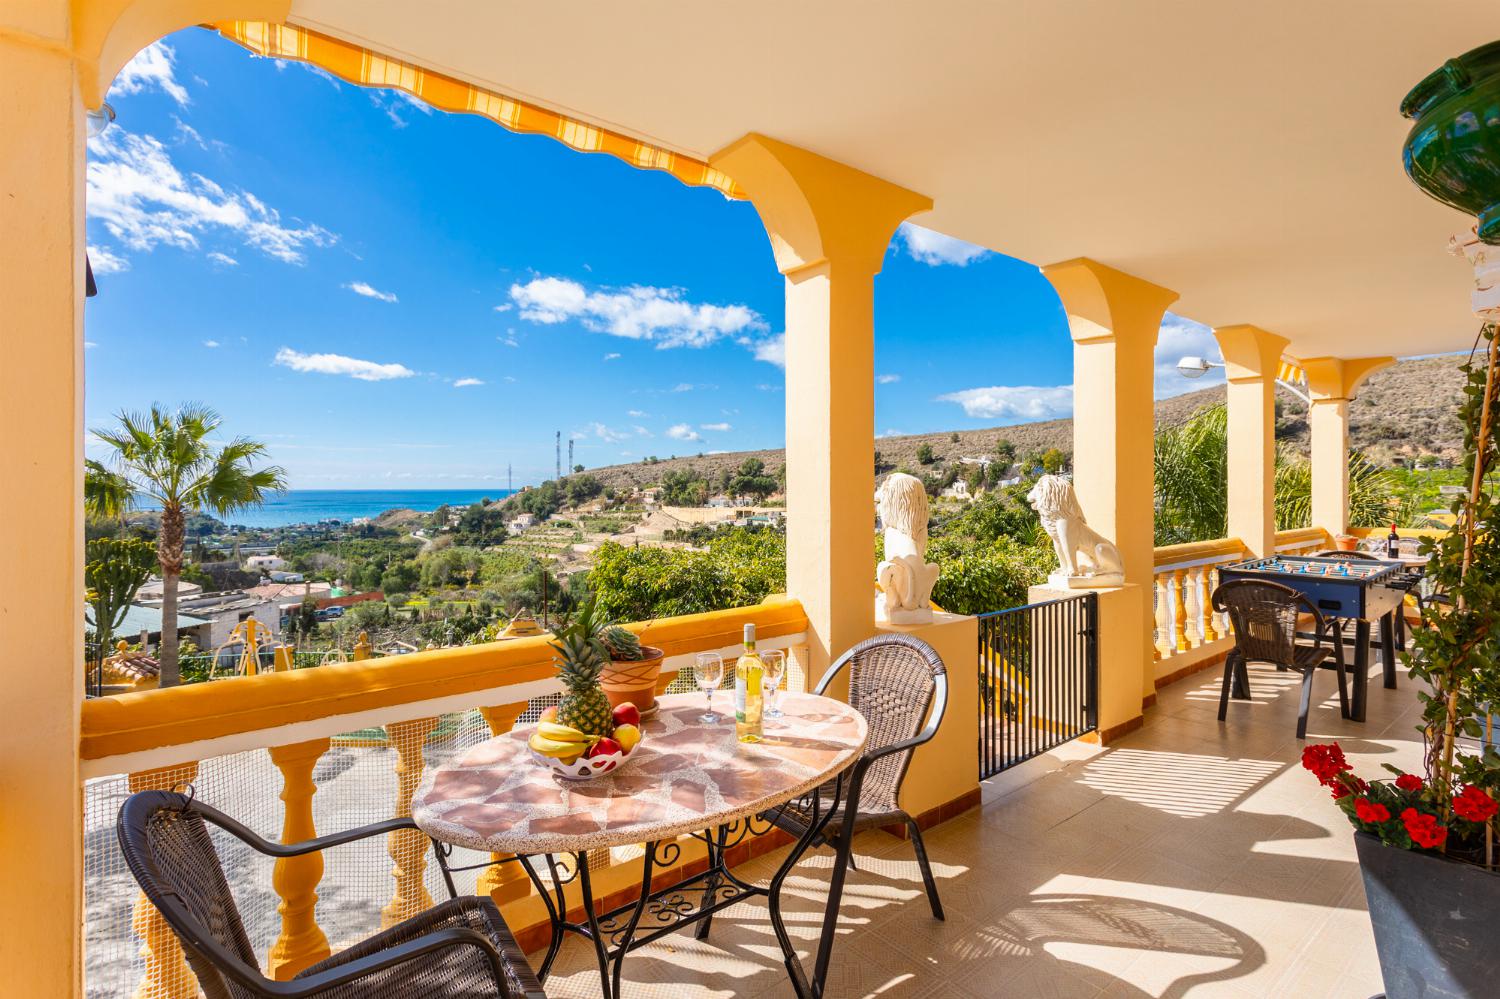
(167, 458)
(740, 566)
(113, 570)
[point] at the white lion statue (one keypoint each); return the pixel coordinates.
(1084, 558)
(906, 577)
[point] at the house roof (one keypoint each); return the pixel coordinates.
(139, 618)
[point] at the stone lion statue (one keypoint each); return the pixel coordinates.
(1084, 557)
(906, 577)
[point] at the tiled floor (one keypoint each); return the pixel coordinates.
(1189, 859)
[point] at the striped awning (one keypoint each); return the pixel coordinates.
(371, 69)
(1291, 372)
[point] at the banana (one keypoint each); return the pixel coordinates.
(561, 733)
(553, 747)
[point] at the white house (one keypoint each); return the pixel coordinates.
(266, 563)
(521, 522)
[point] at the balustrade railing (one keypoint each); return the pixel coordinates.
(296, 753)
(1187, 629)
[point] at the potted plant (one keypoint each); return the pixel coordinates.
(1426, 844)
(632, 670)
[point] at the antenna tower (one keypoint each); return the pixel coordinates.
(558, 447)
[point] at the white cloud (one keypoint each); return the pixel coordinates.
(144, 201)
(361, 288)
(935, 249)
(891, 432)
(637, 414)
(89, 345)
(683, 387)
(151, 69)
(223, 259)
(607, 434)
(210, 344)
(1179, 338)
(642, 431)
(660, 315)
(720, 428)
(466, 382)
(772, 350)
(887, 379)
(1014, 403)
(106, 261)
(504, 308)
(611, 357)
(338, 364)
(683, 432)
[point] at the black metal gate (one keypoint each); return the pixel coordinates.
(1038, 679)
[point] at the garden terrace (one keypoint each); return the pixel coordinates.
(1265, 199)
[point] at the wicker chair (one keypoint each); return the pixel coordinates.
(460, 949)
(893, 680)
(1264, 616)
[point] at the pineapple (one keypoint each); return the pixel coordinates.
(582, 653)
(623, 645)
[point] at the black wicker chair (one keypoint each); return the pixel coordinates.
(459, 949)
(1265, 616)
(893, 680)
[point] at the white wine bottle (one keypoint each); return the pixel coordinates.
(749, 672)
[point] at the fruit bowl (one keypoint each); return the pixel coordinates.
(587, 767)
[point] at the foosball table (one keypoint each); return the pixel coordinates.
(1365, 592)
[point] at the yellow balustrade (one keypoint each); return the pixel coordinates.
(302, 942)
(284, 661)
(1179, 607)
(503, 882)
(166, 974)
(1205, 600)
(407, 847)
(1162, 616)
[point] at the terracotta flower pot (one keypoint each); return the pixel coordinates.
(633, 680)
(1346, 543)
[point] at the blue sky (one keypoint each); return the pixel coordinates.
(393, 296)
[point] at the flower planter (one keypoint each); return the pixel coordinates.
(1346, 543)
(1453, 150)
(1435, 922)
(633, 680)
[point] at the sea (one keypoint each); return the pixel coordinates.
(308, 506)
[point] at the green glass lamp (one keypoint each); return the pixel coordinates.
(1453, 149)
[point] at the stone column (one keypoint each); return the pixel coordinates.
(1332, 383)
(1113, 318)
(829, 225)
(1252, 357)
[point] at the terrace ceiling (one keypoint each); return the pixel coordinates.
(1244, 155)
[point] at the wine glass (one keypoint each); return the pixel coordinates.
(708, 669)
(775, 666)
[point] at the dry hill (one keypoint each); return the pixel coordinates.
(1405, 410)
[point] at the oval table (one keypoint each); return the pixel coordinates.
(686, 778)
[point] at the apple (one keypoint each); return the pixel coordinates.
(627, 714)
(549, 714)
(628, 736)
(604, 747)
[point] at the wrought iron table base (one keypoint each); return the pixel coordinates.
(692, 900)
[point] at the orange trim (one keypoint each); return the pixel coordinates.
(135, 722)
(365, 68)
(1308, 535)
(1192, 551)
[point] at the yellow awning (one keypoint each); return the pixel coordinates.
(371, 69)
(1291, 372)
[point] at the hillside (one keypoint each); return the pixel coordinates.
(1405, 410)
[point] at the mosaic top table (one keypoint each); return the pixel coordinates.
(686, 778)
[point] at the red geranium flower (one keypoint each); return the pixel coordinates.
(1424, 829)
(1409, 782)
(1473, 804)
(1371, 812)
(1340, 790)
(1326, 763)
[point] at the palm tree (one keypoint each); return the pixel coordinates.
(169, 459)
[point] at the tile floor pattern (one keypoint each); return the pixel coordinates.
(1188, 859)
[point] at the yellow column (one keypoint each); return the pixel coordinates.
(829, 225)
(504, 882)
(1252, 357)
(166, 975)
(407, 847)
(1113, 318)
(295, 879)
(1180, 609)
(284, 661)
(1332, 383)
(1205, 603)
